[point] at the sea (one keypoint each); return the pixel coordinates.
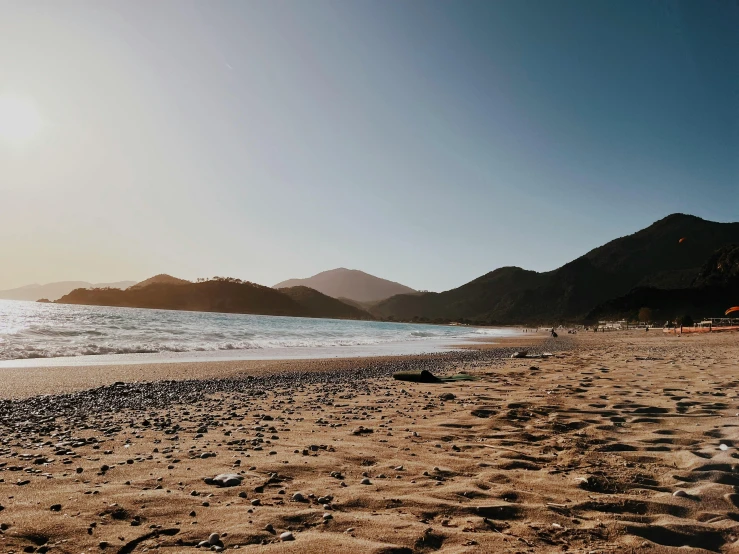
(38, 334)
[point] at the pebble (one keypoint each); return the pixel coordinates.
(681, 494)
(365, 481)
(287, 536)
(298, 497)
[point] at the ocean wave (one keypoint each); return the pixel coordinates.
(489, 332)
(34, 331)
(423, 334)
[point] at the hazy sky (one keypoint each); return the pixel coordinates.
(425, 142)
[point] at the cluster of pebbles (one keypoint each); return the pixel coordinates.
(36, 411)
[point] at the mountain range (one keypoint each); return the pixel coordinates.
(677, 265)
(667, 255)
(53, 291)
(223, 295)
(349, 284)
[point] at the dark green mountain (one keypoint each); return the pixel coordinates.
(651, 257)
(218, 295)
(714, 289)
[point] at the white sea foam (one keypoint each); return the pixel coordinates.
(29, 330)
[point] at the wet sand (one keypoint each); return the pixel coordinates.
(24, 382)
(620, 442)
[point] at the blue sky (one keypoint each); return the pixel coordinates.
(425, 142)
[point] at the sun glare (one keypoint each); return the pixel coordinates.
(19, 120)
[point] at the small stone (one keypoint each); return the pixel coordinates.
(56, 508)
(298, 497)
(256, 502)
(287, 536)
(214, 538)
(225, 480)
(680, 494)
(365, 481)
(327, 516)
(361, 430)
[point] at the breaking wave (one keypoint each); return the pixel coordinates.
(29, 330)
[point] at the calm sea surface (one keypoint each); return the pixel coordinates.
(40, 334)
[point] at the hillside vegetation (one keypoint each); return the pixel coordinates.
(651, 257)
(217, 295)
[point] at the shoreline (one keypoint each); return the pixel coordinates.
(21, 382)
(97, 336)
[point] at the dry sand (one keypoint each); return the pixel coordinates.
(580, 452)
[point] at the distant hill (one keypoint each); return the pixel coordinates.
(351, 284)
(161, 279)
(53, 291)
(653, 256)
(714, 289)
(218, 295)
(327, 306)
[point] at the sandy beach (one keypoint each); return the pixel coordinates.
(619, 442)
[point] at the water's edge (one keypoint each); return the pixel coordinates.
(44, 335)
